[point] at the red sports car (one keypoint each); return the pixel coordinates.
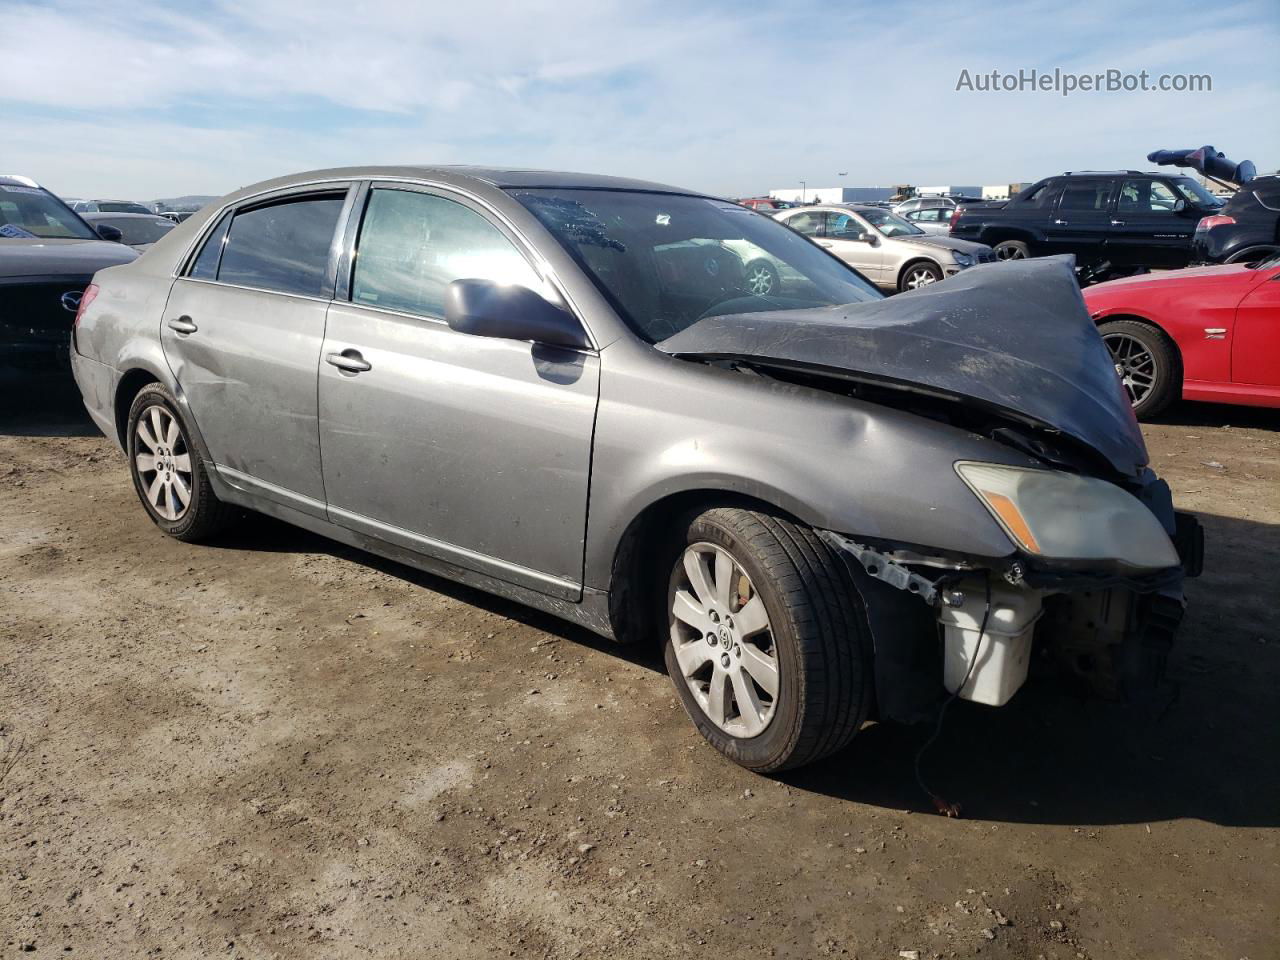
(1207, 333)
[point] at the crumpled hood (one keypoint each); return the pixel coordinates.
(56, 258)
(1012, 336)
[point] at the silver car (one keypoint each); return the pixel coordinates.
(887, 250)
(822, 504)
(932, 220)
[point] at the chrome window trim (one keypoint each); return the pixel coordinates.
(541, 266)
(240, 286)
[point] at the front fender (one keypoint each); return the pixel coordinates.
(671, 427)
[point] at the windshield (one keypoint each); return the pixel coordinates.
(1197, 194)
(121, 206)
(137, 229)
(34, 212)
(888, 223)
(666, 261)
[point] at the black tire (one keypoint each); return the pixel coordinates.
(761, 279)
(204, 515)
(1165, 363)
(1252, 255)
(920, 267)
(1012, 250)
(819, 638)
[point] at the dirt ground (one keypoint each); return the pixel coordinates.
(279, 747)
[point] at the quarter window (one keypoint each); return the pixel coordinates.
(283, 246)
(205, 266)
(413, 245)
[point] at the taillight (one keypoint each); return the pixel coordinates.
(86, 298)
(955, 215)
(1217, 220)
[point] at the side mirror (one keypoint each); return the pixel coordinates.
(1179, 205)
(108, 232)
(483, 308)
(865, 237)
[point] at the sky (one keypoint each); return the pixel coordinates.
(138, 99)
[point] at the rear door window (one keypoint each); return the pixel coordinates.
(283, 246)
(1085, 195)
(809, 223)
(412, 245)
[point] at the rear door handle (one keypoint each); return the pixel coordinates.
(1061, 223)
(1117, 223)
(349, 360)
(824, 243)
(183, 324)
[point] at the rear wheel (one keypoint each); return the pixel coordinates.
(767, 643)
(1012, 250)
(168, 472)
(1146, 362)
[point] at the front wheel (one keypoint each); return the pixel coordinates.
(919, 275)
(767, 643)
(168, 472)
(1146, 362)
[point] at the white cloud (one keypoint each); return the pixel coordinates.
(730, 99)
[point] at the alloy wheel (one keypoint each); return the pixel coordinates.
(1134, 364)
(723, 641)
(920, 277)
(1009, 252)
(760, 280)
(163, 461)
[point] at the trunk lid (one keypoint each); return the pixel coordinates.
(1012, 337)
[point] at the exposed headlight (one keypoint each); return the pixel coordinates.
(962, 258)
(1063, 516)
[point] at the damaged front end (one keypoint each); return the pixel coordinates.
(1105, 624)
(1092, 584)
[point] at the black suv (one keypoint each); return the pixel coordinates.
(1122, 218)
(47, 257)
(1245, 230)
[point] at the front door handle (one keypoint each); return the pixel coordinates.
(1061, 223)
(183, 324)
(349, 360)
(824, 243)
(1117, 223)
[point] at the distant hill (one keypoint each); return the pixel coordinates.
(182, 204)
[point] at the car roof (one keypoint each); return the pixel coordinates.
(502, 177)
(105, 214)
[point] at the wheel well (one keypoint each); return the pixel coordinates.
(636, 573)
(130, 384)
(999, 235)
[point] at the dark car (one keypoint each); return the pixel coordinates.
(1124, 218)
(48, 255)
(138, 230)
(111, 206)
(1246, 230)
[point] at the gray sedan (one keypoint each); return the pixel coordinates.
(562, 388)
